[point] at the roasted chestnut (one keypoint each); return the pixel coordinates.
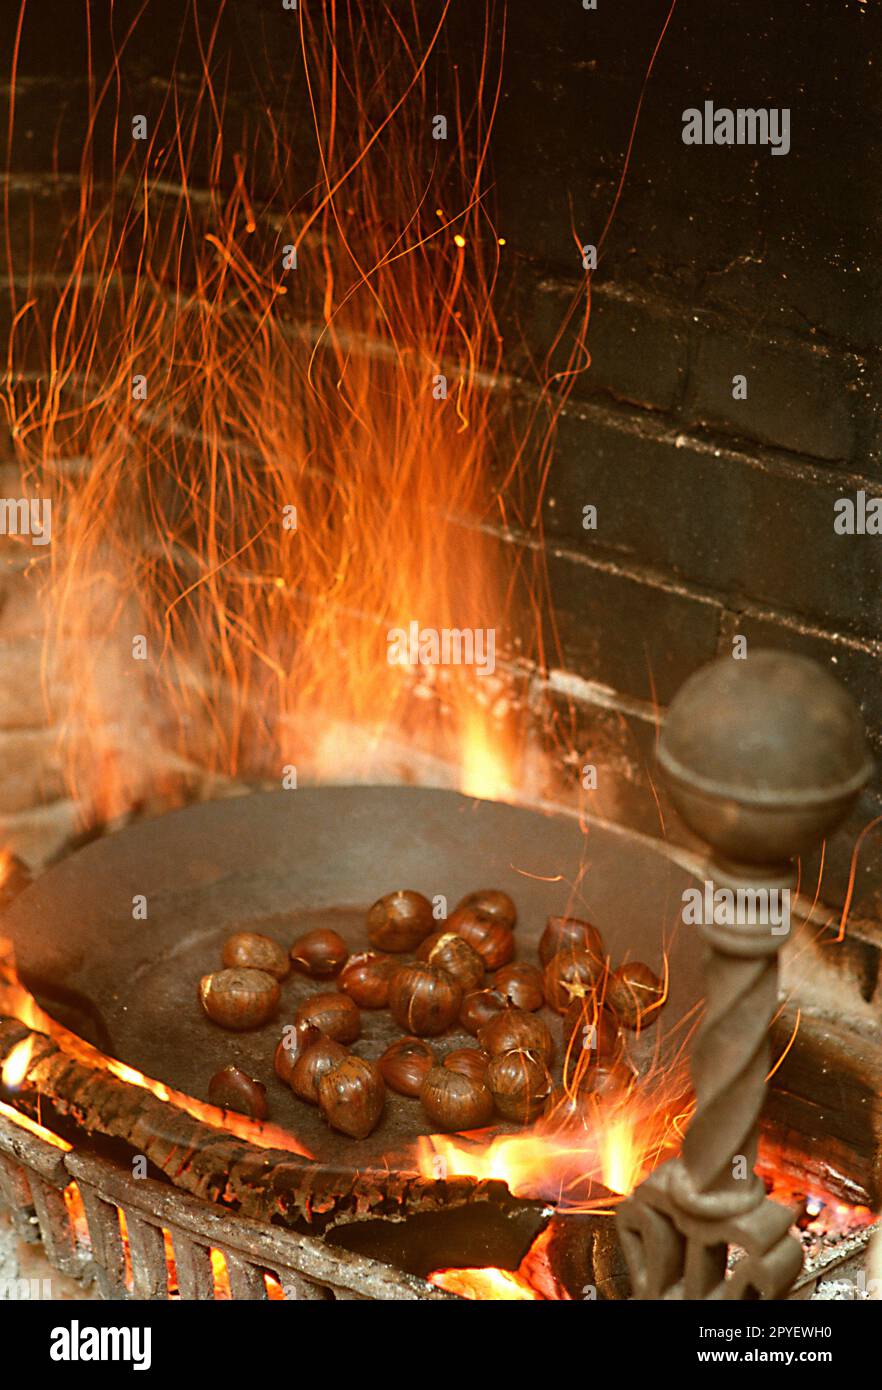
(453, 1100)
(319, 953)
(494, 902)
(296, 1038)
(248, 950)
(405, 1064)
(399, 921)
(453, 953)
(571, 974)
(468, 1061)
(335, 1015)
(365, 978)
(567, 1109)
(423, 999)
(233, 1089)
(591, 1029)
(479, 1007)
(609, 1079)
(351, 1097)
(636, 994)
(562, 933)
(488, 935)
(313, 1064)
(520, 985)
(520, 1084)
(515, 1029)
(238, 998)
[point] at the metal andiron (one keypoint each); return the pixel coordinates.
(763, 757)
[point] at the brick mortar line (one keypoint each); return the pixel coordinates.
(667, 308)
(657, 579)
(646, 424)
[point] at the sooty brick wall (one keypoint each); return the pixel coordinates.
(714, 513)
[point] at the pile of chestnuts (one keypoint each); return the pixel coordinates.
(432, 977)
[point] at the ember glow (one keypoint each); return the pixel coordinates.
(285, 411)
(16, 1065)
(578, 1167)
(278, 379)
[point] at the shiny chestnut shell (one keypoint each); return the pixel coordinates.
(636, 993)
(335, 1015)
(479, 1007)
(424, 1000)
(399, 921)
(351, 1097)
(296, 1038)
(248, 950)
(517, 1030)
(571, 974)
(494, 902)
(405, 1065)
(521, 985)
(238, 998)
(233, 1089)
(319, 954)
(567, 1109)
(312, 1065)
(468, 1061)
(563, 933)
(451, 952)
(610, 1080)
(365, 978)
(490, 937)
(593, 1030)
(454, 1101)
(520, 1085)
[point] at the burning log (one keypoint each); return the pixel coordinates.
(439, 1221)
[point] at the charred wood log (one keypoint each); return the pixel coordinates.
(274, 1184)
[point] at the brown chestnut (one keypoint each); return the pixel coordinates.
(636, 994)
(494, 902)
(490, 937)
(454, 1101)
(609, 1079)
(319, 953)
(239, 999)
(571, 974)
(567, 1109)
(312, 1065)
(468, 1061)
(423, 999)
(335, 1015)
(351, 1097)
(248, 950)
(453, 953)
(479, 1007)
(520, 1085)
(594, 1030)
(233, 1089)
(365, 978)
(296, 1038)
(515, 1029)
(399, 921)
(563, 933)
(405, 1064)
(520, 985)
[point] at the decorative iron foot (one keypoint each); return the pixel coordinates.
(763, 757)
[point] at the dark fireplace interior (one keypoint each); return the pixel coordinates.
(322, 321)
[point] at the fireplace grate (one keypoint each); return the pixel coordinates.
(137, 1239)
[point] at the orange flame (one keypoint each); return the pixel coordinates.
(14, 1069)
(290, 436)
